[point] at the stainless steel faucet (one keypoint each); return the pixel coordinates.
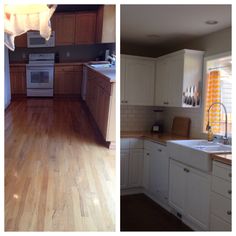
(225, 138)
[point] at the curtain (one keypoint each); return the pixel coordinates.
(213, 95)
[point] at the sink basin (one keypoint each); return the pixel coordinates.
(196, 153)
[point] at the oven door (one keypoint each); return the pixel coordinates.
(39, 77)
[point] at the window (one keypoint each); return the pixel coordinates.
(218, 89)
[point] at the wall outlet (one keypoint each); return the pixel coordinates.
(67, 54)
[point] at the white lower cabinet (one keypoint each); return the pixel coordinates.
(189, 194)
(124, 165)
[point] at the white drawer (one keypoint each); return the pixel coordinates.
(221, 207)
(135, 143)
(124, 143)
(218, 224)
(221, 186)
(154, 146)
(222, 170)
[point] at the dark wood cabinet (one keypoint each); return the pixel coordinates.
(21, 41)
(18, 80)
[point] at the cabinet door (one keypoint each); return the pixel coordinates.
(124, 166)
(198, 198)
(85, 28)
(21, 41)
(64, 28)
(122, 79)
(135, 168)
(162, 85)
(146, 168)
(18, 80)
(139, 83)
(177, 186)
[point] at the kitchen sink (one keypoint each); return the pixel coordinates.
(196, 153)
(105, 65)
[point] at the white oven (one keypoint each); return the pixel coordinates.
(35, 40)
(39, 75)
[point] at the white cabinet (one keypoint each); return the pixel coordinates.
(131, 162)
(221, 197)
(156, 168)
(124, 165)
(137, 80)
(178, 74)
(189, 194)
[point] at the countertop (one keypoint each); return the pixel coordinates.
(159, 138)
(224, 158)
(108, 72)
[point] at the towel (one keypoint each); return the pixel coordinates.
(18, 21)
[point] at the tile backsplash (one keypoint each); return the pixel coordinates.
(138, 118)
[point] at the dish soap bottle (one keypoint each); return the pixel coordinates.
(210, 136)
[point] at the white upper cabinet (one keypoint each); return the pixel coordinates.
(137, 80)
(178, 79)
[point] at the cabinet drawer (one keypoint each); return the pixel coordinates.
(64, 68)
(124, 143)
(218, 224)
(222, 171)
(221, 186)
(221, 207)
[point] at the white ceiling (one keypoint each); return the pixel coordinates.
(173, 23)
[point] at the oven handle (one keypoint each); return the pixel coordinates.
(40, 68)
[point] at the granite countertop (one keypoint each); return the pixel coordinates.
(159, 138)
(224, 158)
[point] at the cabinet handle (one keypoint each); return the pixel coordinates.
(229, 213)
(165, 103)
(148, 154)
(126, 101)
(230, 175)
(186, 170)
(159, 150)
(229, 192)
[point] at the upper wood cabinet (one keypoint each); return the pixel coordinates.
(85, 32)
(137, 80)
(21, 41)
(64, 26)
(18, 80)
(178, 77)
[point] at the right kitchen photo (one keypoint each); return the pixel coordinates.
(176, 118)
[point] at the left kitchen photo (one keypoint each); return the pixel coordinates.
(60, 117)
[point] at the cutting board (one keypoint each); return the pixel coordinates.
(181, 126)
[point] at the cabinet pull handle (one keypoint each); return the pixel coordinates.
(230, 175)
(159, 150)
(126, 101)
(186, 170)
(229, 213)
(148, 154)
(166, 103)
(229, 191)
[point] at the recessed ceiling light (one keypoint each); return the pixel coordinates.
(153, 36)
(211, 22)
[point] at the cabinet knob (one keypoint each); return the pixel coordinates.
(229, 191)
(186, 170)
(148, 154)
(229, 213)
(159, 150)
(230, 175)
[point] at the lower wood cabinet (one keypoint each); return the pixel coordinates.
(18, 80)
(100, 99)
(67, 79)
(189, 194)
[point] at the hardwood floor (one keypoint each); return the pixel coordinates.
(58, 175)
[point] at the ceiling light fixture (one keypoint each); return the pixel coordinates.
(211, 22)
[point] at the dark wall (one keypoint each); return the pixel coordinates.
(77, 52)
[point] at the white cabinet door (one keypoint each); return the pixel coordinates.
(198, 198)
(135, 168)
(124, 167)
(122, 79)
(146, 169)
(177, 186)
(140, 80)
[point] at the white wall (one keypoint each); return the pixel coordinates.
(7, 86)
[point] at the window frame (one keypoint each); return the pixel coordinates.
(204, 86)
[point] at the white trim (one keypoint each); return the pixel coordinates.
(204, 83)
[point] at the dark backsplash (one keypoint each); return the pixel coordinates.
(76, 52)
